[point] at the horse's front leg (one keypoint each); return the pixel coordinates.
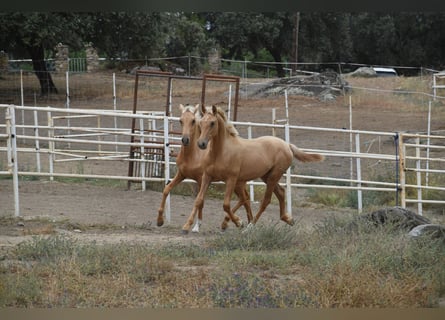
(176, 180)
(230, 186)
(199, 203)
(199, 220)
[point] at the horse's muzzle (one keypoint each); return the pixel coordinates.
(202, 144)
(185, 141)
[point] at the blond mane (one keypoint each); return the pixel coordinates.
(229, 126)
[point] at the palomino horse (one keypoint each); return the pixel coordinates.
(189, 165)
(235, 160)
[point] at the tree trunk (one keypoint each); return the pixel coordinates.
(277, 57)
(38, 62)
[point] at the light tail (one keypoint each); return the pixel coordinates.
(304, 156)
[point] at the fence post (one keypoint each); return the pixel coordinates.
(428, 141)
(230, 102)
(402, 171)
(418, 177)
(12, 155)
(274, 119)
(114, 109)
(167, 166)
(22, 100)
(288, 175)
(36, 134)
(51, 145)
(359, 174)
(141, 133)
(67, 74)
(251, 188)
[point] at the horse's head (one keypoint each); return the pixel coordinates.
(188, 121)
(208, 125)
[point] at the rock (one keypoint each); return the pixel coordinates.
(326, 86)
(435, 231)
(398, 217)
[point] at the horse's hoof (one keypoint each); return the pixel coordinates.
(160, 223)
(291, 222)
(240, 224)
(185, 231)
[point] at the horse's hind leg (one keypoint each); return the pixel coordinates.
(230, 187)
(243, 200)
(279, 192)
(271, 182)
(176, 180)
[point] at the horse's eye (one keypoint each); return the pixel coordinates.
(193, 122)
(212, 124)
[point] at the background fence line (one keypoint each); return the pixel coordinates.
(82, 143)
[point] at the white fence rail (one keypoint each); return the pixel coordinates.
(92, 135)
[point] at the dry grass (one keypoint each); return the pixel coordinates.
(272, 267)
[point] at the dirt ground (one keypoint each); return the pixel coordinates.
(104, 214)
(113, 213)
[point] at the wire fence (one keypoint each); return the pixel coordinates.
(362, 163)
(411, 171)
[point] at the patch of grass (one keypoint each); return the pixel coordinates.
(243, 290)
(275, 237)
(44, 249)
(272, 266)
(370, 266)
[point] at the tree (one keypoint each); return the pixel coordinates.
(38, 33)
(187, 37)
(322, 36)
(374, 38)
(240, 33)
(128, 35)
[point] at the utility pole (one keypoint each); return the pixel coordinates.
(295, 41)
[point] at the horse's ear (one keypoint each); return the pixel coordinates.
(214, 110)
(181, 107)
(196, 107)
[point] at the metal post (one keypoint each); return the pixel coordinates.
(12, 155)
(36, 133)
(68, 102)
(99, 137)
(170, 94)
(434, 87)
(114, 109)
(428, 141)
(288, 175)
(22, 100)
(167, 166)
(251, 187)
(359, 174)
(351, 161)
(141, 133)
(287, 106)
(230, 101)
(418, 178)
(402, 177)
(51, 146)
(274, 119)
